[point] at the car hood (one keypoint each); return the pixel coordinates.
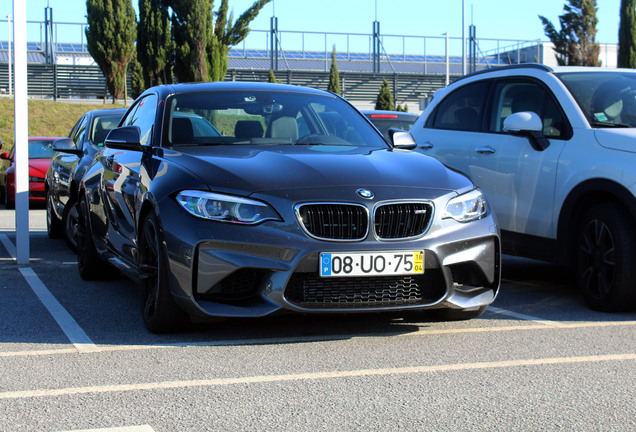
(265, 169)
(618, 139)
(38, 167)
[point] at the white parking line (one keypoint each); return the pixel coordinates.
(142, 428)
(522, 316)
(70, 391)
(67, 323)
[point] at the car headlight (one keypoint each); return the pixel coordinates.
(467, 207)
(225, 208)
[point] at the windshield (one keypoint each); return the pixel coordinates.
(41, 149)
(608, 99)
(265, 118)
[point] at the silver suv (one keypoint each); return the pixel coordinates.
(554, 150)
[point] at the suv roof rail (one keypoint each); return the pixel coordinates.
(539, 66)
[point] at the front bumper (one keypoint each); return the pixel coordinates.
(224, 270)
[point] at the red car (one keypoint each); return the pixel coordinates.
(40, 154)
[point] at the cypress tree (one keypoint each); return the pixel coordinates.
(334, 77)
(201, 46)
(627, 35)
(227, 34)
(110, 38)
(154, 43)
(385, 98)
(575, 43)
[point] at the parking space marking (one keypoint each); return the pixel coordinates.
(10, 247)
(326, 338)
(67, 323)
(142, 428)
(215, 382)
(521, 316)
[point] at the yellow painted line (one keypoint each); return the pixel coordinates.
(262, 379)
(313, 339)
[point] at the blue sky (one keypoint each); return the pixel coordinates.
(495, 19)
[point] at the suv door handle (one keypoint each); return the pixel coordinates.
(427, 145)
(483, 150)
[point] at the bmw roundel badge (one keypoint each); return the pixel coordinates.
(365, 193)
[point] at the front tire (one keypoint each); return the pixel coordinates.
(70, 221)
(89, 264)
(9, 204)
(53, 223)
(159, 311)
(606, 259)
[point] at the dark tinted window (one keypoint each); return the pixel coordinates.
(522, 96)
(462, 109)
(144, 116)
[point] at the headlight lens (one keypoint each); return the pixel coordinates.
(467, 207)
(225, 208)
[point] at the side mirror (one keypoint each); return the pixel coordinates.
(528, 124)
(124, 138)
(66, 145)
(402, 139)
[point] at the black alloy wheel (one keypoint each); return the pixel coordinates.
(53, 223)
(606, 259)
(69, 224)
(9, 204)
(159, 311)
(89, 263)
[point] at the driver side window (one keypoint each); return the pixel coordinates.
(143, 115)
(513, 97)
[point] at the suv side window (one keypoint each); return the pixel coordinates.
(462, 109)
(512, 97)
(143, 115)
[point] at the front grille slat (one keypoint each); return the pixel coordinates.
(402, 220)
(312, 292)
(336, 221)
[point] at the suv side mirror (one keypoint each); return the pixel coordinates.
(528, 124)
(66, 145)
(124, 138)
(402, 139)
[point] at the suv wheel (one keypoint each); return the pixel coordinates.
(606, 259)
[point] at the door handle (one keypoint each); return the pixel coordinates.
(485, 150)
(425, 146)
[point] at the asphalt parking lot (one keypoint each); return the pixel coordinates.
(75, 355)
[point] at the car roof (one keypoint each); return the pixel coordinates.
(167, 89)
(388, 112)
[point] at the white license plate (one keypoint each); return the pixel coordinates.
(371, 263)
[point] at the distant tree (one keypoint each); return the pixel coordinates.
(227, 34)
(575, 44)
(154, 43)
(110, 38)
(404, 108)
(137, 82)
(627, 35)
(334, 76)
(201, 44)
(384, 100)
(191, 32)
